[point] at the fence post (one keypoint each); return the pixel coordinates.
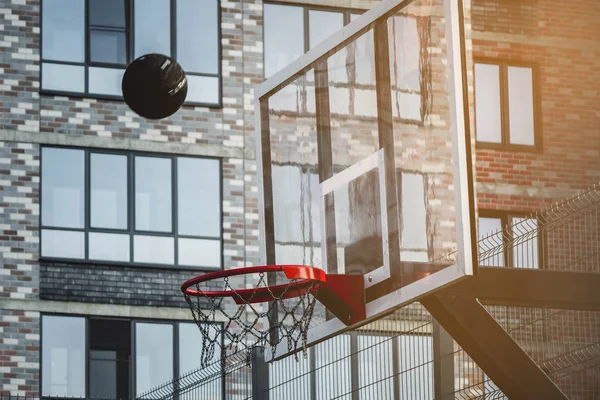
(260, 375)
(443, 363)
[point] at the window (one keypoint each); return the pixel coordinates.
(290, 31)
(153, 360)
(100, 358)
(506, 105)
(507, 239)
(86, 44)
(297, 229)
(415, 242)
(63, 356)
(131, 208)
(109, 358)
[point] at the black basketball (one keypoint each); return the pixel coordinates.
(154, 86)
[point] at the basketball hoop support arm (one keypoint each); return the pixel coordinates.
(344, 297)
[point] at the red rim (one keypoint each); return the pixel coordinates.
(307, 275)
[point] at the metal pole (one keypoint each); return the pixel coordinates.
(443, 363)
(260, 375)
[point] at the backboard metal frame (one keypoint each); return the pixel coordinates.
(374, 161)
(465, 264)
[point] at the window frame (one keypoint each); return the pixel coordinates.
(505, 218)
(130, 51)
(306, 8)
(132, 363)
(130, 229)
(503, 65)
(86, 346)
(88, 39)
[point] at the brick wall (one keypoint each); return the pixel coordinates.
(30, 120)
(19, 64)
(19, 353)
(566, 53)
(19, 220)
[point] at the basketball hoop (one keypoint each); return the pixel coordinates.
(235, 317)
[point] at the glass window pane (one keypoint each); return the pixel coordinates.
(416, 256)
(296, 198)
(365, 102)
(487, 103)
(197, 36)
(106, 81)
(487, 227)
(310, 255)
(364, 60)
(415, 356)
(108, 181)
(152, 27)
(288, 212)
(375, 376)
(154, 249)
(405, 53)
(284, 36)
(520, 105)
(63, 30)
(153, 194)
(109, 247)
(153, 355)
(63, 78)
(107, 13)
(63, 187)
(202, 89)
(333, 365)
(108, 47)
(525, 252)
(199, 197)
(199, 252)
(63, 244)
(190, 349)
(63, 356)
(323, 24)
(414, 213)
(103, 374)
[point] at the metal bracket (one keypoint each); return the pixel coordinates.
(344, 297)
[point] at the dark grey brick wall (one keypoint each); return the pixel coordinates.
(136, 286)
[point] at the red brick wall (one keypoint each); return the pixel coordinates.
(567, 54)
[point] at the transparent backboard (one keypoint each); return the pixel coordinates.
(364, 158)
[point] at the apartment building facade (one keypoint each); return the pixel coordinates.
(104, 214)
